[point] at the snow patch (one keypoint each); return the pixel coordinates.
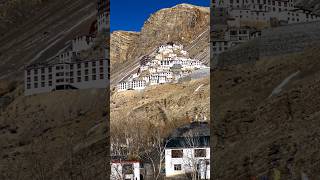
(279, 88)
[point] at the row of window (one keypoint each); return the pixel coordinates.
(178, 167)
(197, 153)
(269, 2)
(59, 74)
(71, 80)
(61, 67)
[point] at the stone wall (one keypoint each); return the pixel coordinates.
(273, 42)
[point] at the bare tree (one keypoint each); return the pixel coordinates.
(196, 166)
(155, 152)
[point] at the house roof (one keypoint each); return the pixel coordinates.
(194, 129)
(195, 134)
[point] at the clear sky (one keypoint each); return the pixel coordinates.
(130, 15)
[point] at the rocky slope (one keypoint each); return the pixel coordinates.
(266, 117)
(164, 107)
(45, 133)
(120, 45)
(185, 24)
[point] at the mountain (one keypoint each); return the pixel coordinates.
(58, 135)
(121, 45)
(184, 24)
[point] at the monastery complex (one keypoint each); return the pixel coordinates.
(169, 64)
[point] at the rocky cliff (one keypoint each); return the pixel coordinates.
(185, 24)
(121, 45)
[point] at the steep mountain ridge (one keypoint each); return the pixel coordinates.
(120, 45)
(183, 24)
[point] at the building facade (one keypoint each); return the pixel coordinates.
(61, 75)
(188, 151)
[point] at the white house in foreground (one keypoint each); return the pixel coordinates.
(187, 152)
(125, 169)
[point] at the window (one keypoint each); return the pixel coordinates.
(35, 85)
(94, 71)
(42, 84)
(50, 83)
(50, 76)
(43, 77)
(50, 69)
(28, 79)
(36, 78)
(127, 168)
(86, 78)
(28, 86)
(86, 64)
(71, 66)
(79, 79)
(36, 71)
(101, 69)
(94, 77)
(200, 153)
(79, 66)
(177, 167)
(94, 64)
(86, 72)
(42, 70)
(176, 153)
(101, 62)
(101, 76)
(60, 74)
(60, 80)
(71, 80)
(79, 73)
(28, 72)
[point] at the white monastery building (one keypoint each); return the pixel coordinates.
(74, 74)
(266, 10)
(188, 151)
(245, 15)
(169, 64)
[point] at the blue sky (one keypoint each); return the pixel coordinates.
(130, 15)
